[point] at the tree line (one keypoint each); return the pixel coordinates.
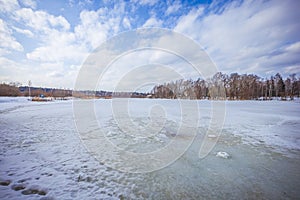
(9, 89)
(14, 89)
(221, 86)
(233, 87)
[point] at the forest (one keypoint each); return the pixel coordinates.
(232, 87)
(221, 86)
(15, 89)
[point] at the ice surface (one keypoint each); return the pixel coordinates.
(275, 124)
(223, 154)
(42, 156)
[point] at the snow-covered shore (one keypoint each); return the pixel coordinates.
(42, 156)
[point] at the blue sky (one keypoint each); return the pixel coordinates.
(48, 41)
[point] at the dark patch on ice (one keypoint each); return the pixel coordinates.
(47, 198)
(172, 134)
(46, 174)
(101, 163)
(86, 179)
(5, 182)
(34, 191)
(18, 187)
(5, 111)
(23, 180)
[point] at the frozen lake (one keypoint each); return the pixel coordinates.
(42, 155)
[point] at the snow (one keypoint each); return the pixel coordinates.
(223, 154)
(42, 155)
(275, 123)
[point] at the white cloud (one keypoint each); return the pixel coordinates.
(124, 68)
(41, 20)
(57, 48)
(292, 69)
(59, 22)
(9, 67)
(132, 70)
(186, 23)
(254, 36)
(29, 3)
(41, 74)
(57, 43)
(71, 3)
(145, 2)
(7, 41)
(294, 48)
(126, 23)
(26, 32)
(249, 37)
(95, 26)
(91, 30)
(174, 7)
(8, 5)
(60, 47)
(3, 51)
(153, 22)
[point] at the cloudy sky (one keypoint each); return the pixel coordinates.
(47, 41)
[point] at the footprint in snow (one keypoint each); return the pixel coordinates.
(34, 191)
(5, 182)
(18, 187)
